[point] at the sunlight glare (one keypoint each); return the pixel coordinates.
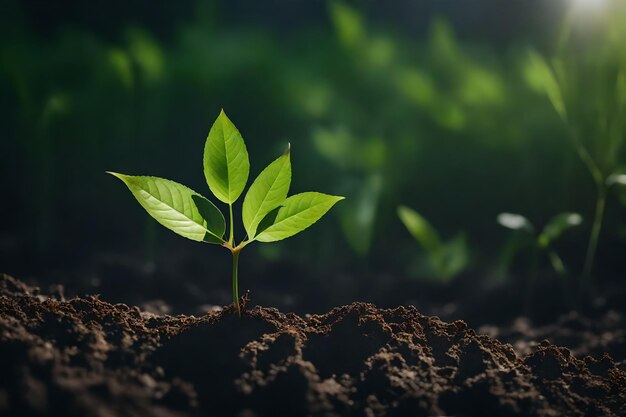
(589, 4)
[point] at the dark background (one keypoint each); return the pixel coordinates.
(428, 104)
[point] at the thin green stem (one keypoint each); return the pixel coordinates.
(598, 177)
(587, 159)
(231, 238)
(595, 230)
(236, 281)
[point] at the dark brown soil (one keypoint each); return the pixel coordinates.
(86, 357)
(605, 333)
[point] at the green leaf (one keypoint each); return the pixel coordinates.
(559, 224)
(557, 263)
(348, 24)
(541, 77)
(268, 191)
(515, 222)
(357, 216)
(177, 207)
(613, 179)
(421, 230)
(226, 164)
(297, 213)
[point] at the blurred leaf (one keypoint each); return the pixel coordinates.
(421, 230)
(344, 150)
(267, 192)
(146, 53)
(557, 262)
(299, 212)
(122, 66)
(417, 85)
(312, 95)
(559, 224)
(446, 259)
(515, 222)
(443, 42)
(380, 52)
(481, 87)
(451, 115)
(177, 207)
(358, 214)
(540, 77)
(226, 164)
(348, 24)
(619, 179)
(336, 145)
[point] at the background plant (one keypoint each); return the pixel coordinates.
(585, 80)
(538, 243)
(446, 258)
(267, 214)
(542, 241)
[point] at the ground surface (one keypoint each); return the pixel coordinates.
(87, 357)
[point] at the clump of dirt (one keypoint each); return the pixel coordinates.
(86, 357)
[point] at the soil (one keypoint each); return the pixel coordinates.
(87, 357)
(605, 333)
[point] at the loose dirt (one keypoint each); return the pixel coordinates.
(87, 357)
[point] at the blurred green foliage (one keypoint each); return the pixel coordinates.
(446, 123)
(527, 237)
(585, 80)
(446, 259)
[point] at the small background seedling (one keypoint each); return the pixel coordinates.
(539, 242)
(446, 258)
(526, 237)
(268, 215)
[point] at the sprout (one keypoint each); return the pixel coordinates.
(542, 242)
(268, 214)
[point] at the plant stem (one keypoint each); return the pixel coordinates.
(236, 281)
(595, 230)
(598, 177)
(231, 238)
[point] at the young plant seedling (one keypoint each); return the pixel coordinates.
(268, 214)
(526, 236)
(539, 242)
(447, 259)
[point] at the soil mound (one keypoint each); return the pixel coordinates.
(87, 357)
